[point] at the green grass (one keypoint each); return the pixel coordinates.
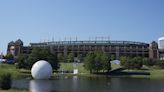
(115, 66)
(14, 90)
(6, 68)
(80, 67)
(10, 68)
(15, 73)
(157, 74)
(70, 67)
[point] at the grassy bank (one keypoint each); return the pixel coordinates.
(19, 73)
(157, 73)
(14, 90)
(16, 73)
(79, 66)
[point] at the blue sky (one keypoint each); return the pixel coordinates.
(36, 20)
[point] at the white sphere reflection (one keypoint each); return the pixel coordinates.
(41, 70)
(40, 86)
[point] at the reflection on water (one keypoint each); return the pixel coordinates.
(91, 84)
(40, 86)
(75, 83)
(51, 85)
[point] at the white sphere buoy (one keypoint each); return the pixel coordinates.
(41, 70)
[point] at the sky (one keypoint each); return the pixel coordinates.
(43, 20)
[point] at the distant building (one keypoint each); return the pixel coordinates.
(161, 48)
(117, 48)
(17, 47)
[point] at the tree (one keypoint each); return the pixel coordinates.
(160, 64)
(61, 57)
(52, 59)
(9, 56)
(145, 61)
(131, 63)
(106, 62)
(21, 61)
(36, 55)
(80, 57)
(70, 57)
(112, 57)
(124, 61)
(97, 61)
(89, 62)
(43, 54)
(149, 62)
(136, 63)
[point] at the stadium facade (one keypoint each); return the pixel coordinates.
(117, 48)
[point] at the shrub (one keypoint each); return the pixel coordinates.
(5, 81)
(131, 63)
(149, 62)
(160, 63)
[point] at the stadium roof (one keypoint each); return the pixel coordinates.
(89, 43)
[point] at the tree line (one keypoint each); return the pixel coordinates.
(98, 61)
(26, 61)
(94, 62)
(138, 62)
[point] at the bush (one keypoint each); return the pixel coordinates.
(5, 81)
(149, 62)
(131, 63)
(160, 63)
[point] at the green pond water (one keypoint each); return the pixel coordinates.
(90, 84)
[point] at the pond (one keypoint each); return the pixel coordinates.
(90, 84)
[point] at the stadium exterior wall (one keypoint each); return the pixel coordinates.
(117, 48)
